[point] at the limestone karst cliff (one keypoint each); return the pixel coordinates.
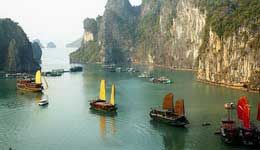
(230, 53)
(109, 38)
(163, 32)
(16, 52)
(169, 33)
(218, 38)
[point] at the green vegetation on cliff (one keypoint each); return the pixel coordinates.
(87, 54)
(226, 17)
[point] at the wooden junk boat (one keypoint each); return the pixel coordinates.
(101, 104)
(244, 134)
(30, 84)
(169, 114)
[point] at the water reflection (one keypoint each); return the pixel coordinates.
(107, 123)
(7, 88)
(102, 126)
(38, 98)
(173, 138)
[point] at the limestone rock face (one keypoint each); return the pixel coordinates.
(230, 52)
(170, 33)
(16, 53)
(110, 38)
(39, 43)
(37, 52)
(231, 60)
(162, 32)
(219, 38)
(119, 31)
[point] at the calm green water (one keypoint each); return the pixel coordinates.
(68, 124)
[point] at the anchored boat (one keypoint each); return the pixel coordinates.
(162, 80)
(145, 75)
(244, 134)
(30, 84)
(76, 69)
(101, 104)
(109, 68)
(169, 114)
(43, 102)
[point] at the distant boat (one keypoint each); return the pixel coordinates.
(247, 134)
(55, 74)
(109, 68)
(169, 114)
(76, 69)
(119, 69)
(162, 80)
(101, 104)
(145, 75)
(43, 102)
(132, 70)
(30, 84)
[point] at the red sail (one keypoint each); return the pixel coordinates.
(179, 107)
(168, 102)
(240, 108)
(243, 111)
(247, 117)
(258, 115)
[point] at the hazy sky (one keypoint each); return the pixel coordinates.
(59, 21)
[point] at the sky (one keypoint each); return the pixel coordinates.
(60, 21)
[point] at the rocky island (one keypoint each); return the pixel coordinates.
(51, 45)
(219, 39)
(16, 51)
(39, 43)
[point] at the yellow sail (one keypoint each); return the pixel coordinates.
(102, 94)
(38, 78)
(113, 91)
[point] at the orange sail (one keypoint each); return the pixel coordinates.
(243, 111)
(258, 115)
(168, 102)
(179, 107)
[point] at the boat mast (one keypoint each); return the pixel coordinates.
(229, 107)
